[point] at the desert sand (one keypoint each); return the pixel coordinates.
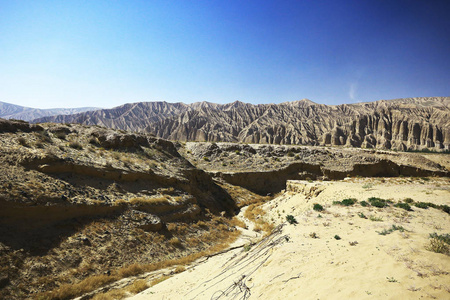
(306, 261)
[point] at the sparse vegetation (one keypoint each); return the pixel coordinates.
(361, 215)
(313, 235)
(76, 145)
(291, 219)
(422, 205)
(346, 202)
(442, 237)
(256, 214)
(367, 186)
(392, 229)
(376, 219)
(138, 286)
(408, 200)
(317, 207)
(22, 141)
(158, 200)
(438, 246)
(364, 203)
(378, 202)
(404, 206)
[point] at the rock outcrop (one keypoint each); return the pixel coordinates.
(401, 124)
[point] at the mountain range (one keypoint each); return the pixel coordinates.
(401, 124)
(12, 111)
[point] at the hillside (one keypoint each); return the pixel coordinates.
(85, 206)
(12, 111)
(401, 124)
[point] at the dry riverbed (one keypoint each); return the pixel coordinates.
(355, 251)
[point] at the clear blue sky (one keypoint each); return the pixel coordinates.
(106, 53)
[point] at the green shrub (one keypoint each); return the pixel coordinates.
(364, 203)
(392, 229)
(445, 208)
(367, 186)
(291, 219)
(317, 207)
(405, 206)
(408, 200)
(423, 205)
(378, 202)
(361, 215)
(336, 237)
(346, 202)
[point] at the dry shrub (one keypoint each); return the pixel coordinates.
(237, 223)
(256, 214)
(438, 246)
(67, 291)
(264, 227)
(130, 270)
(202, 224)
(111, 295)
(172, 226)
(150, 200)
(175, 242)
(178, 228)
(241, 196)
(138, 286)
(179, 269)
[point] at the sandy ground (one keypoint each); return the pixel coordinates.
(362, 264)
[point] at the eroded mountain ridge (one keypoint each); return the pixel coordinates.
(401, 124)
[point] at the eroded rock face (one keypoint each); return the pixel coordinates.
(402, 124)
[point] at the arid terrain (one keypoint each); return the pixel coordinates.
(399, 124)
(92, 212)
(358, 251)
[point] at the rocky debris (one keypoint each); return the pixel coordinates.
(401, 124)
(143, 220)
(16, 125)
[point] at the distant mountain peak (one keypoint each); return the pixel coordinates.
(13, 111)
(301, 103)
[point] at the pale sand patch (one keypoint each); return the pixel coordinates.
(292, 265)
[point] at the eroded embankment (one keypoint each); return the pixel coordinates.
(263, 182)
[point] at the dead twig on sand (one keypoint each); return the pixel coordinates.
(295, 277)
(242, 266)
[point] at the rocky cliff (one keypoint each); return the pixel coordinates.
(402, 124)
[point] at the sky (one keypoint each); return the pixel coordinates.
(107, 53)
